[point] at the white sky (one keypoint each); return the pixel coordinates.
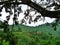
(21, 16)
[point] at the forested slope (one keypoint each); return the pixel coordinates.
(45, 28)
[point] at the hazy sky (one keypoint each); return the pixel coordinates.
(21, 16)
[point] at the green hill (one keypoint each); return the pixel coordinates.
(25, 35)
(41, 28)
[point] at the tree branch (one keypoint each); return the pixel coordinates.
(44, 12)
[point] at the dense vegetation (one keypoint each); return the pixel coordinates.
(24, 35)
(29, 38)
